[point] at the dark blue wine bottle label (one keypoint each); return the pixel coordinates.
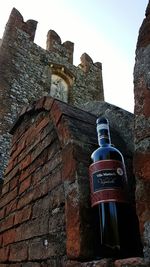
(108, 182)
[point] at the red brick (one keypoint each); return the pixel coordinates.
(25, 185)
(18, 252)
(13, 183)
(4, 254)
(41, 146)
(24, 174)
(36, 164)
(69, 163)
(2, 213)
(20, 146)
(11, 206)
(8, 197)
(9, 236)
(42, 124)
(1, 240)
(64, 131)
(48, 103)
(39, 103)
(23, 215)
(7, 223)
(56, 112)
(13, 173)
(5, 188)
(37, 176)
(13, 148)
(25, 162)
(73, 226)
(52, 164)
(47, 184)
(10, 166)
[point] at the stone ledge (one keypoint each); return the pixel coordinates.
(138, 262)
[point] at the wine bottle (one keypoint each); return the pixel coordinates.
(118, 231)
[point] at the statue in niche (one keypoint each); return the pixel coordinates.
(59, 88)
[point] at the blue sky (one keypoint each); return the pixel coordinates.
(107, 30)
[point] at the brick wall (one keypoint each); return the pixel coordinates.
(40, 196)
(45, 213)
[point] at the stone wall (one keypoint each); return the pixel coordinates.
(142, 130)
(26, 73)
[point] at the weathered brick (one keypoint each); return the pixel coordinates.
(14, 182)
(42, 145)
(42, 124)
(25, 162)
(31, 264)
(48, 103)
(8, 197)
(41, 207)
(7, 223)
(69, 163)
(4, 254)
(73, 226)
(9, 236)
(10, 166)
(39, 104)
(24, 185)
(57, 219)
(1, 240)
(5, 188)
(24, 174)
(20, 147)
(33, 228)
(23, 215)
(53, 245)
(18, 252)
(35, 165)
(2, 212)
(13, 173)
(11, 207)
(25, 199)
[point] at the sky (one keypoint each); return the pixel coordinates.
(107, 30)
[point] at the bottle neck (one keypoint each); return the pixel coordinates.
(103, 134)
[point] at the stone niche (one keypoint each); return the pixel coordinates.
(59, 88)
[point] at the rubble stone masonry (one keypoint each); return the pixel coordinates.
(142, 130)
(26, 72)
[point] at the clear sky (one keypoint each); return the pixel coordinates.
(106, 30)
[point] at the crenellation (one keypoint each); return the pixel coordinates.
(70, 48)
(86, 62)
(16, 21)
(55, 44)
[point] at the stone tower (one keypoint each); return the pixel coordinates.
(28, 72)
